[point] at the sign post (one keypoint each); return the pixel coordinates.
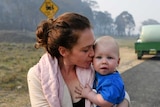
(49, 8)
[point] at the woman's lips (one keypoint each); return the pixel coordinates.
(90, 61)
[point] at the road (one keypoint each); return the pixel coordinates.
(142, 82)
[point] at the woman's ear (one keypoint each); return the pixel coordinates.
(62, 50)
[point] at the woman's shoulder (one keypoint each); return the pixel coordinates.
(32, 72)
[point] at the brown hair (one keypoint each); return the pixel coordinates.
(60, 32)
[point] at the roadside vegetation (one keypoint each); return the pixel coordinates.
(15, 61)
(126, 41)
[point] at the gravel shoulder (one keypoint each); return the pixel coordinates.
(128, 59)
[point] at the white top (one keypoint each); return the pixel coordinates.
(36, 95)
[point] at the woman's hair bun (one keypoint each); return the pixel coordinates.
(42, 33)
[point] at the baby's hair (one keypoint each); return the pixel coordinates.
(107, 40)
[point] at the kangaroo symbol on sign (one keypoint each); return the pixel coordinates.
(49, 6)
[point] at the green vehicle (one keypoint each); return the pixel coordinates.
(149, 41)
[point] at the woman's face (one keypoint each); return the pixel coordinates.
(82, 53)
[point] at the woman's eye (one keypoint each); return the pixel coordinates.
(85, 50)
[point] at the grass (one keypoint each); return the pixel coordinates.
(15, 61)
(126, 41)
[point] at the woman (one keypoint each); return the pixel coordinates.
(68, 41)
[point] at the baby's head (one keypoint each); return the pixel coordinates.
(106, 57)
(105, 42)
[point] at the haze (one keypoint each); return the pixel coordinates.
(140, 9)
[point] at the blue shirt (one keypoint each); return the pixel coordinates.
(110, 86)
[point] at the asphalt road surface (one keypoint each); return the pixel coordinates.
(142, 82)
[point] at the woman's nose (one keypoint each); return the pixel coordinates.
(91, 54)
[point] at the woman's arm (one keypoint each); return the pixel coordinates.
(125, 102)
(37, 98)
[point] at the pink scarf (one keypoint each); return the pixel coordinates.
(52, 81)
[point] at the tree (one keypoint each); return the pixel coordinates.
(103, 22)
(25, 14)
(93, 4)
(150, 22)
(124, 24)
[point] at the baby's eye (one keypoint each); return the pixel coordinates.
(109, 57)
(98, 57)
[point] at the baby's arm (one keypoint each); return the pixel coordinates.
(86, 92)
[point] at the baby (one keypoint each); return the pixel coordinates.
(108, 82)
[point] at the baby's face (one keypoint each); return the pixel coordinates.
(106, 58)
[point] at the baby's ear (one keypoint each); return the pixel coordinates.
(118, 62)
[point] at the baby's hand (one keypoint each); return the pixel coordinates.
(78, 91)
(86, 90)
(83, 91)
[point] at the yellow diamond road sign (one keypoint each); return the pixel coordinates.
(49, 8)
